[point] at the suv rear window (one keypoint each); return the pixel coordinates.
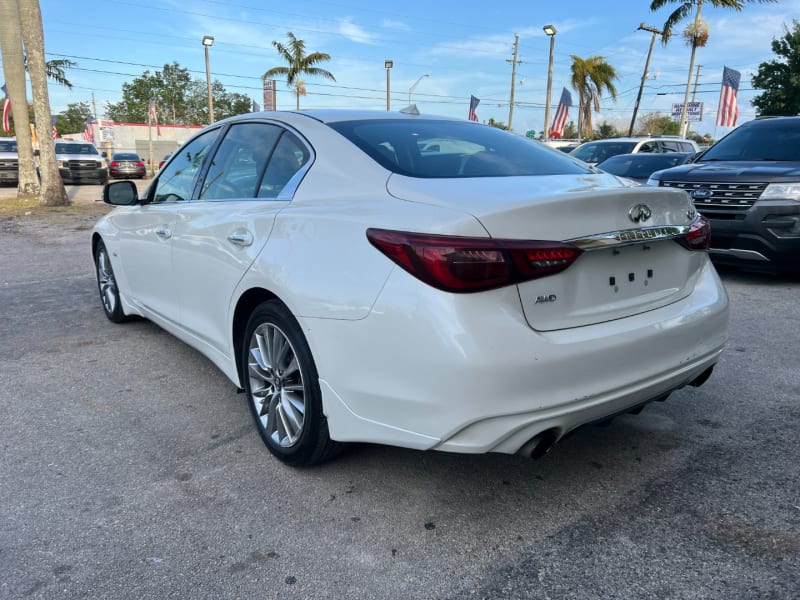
(453, 149)
(763, 140)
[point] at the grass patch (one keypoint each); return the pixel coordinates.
(29, 208)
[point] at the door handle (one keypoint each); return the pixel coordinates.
(163, 232)
(241, 238)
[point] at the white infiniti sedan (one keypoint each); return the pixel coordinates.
(416, 281)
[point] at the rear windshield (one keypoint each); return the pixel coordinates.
(8, 146)
(453, 149)
(75, 149)
(126, 156)
(595, 152)
(766, 140)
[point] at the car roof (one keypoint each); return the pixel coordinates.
(333, 115)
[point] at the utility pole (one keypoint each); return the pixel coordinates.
(694, 94)
(514, 63)
(655, 32)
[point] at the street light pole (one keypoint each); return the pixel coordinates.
(413, 87)
(550, 31)
(208, 41)
(388, 64)
(655, 32)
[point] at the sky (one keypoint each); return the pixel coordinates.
(449, 49)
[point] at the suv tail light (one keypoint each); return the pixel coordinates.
(699, 235)
(463, 264)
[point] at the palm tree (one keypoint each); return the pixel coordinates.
(14, 70)
(299, 63)
(696, 34)
(590, 76)
(53, 192)
(54, 69)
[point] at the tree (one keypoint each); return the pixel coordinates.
(657, 124)
(780, 78)
(696, 34)
(53, 192)
(299, 64)
(14, 70)
(570, 131)
(499, 124)
(606, 130)
(73, 119)
(54, 69)
(181, 99)
(590, 76)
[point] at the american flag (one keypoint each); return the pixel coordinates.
(154, 115)
(728, 110)
(88, 129)
(55, 128)
(473, 104)
(6, 109)
(560, 120)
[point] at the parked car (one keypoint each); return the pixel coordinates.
(488, 296)
(163, 160)
(748, 186)
(639, 167)
(80, 162)
(597, 151)
(9, 161)
(127, 165)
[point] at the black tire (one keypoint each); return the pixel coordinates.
(107, 285)
(282, 388)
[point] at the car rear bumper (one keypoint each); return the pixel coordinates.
(465, 373)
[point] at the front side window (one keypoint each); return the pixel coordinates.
(176, 180)
(238, 164)
(452, 149)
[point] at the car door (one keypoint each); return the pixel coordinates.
(250, 179)
(146, 232)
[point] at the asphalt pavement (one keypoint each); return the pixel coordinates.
(130, 469)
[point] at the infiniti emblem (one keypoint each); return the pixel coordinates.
(639, 213)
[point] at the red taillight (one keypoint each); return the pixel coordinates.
(114, 164)
(698, 236)
(140, 164)
(464, 264)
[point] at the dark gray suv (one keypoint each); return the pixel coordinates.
(748, 186)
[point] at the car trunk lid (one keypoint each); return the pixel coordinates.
(631, 262)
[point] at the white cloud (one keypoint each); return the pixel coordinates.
(355, 33)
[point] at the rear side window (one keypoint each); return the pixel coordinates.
(453, 149)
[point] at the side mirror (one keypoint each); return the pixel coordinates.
(121, 193)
